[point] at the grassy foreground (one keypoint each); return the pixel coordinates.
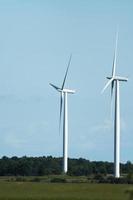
(61, 191)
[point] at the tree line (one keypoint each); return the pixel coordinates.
(40, 166)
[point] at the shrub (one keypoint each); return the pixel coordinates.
(58, 180)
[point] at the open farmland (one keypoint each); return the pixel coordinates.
(62, 191)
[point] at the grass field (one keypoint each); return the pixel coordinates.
(61, 191)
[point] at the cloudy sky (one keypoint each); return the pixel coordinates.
(36, 40)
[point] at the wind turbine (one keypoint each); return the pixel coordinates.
(64, 103)
(114, 81)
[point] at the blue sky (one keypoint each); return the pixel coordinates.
(36, 39)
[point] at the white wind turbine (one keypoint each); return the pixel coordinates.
(114, 81)
(63, 100)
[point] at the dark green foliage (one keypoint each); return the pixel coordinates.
(40, 166)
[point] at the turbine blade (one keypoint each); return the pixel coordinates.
(61, 102)
(112, 87)
(108, 83)
(115, 56)
(66, 72)
(54, 86)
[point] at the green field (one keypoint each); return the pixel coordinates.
(62, 191)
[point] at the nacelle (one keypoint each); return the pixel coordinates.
(119, 78)
(68, 91)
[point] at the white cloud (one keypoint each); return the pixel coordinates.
(13, 140)
(24, 137)
(106, 126)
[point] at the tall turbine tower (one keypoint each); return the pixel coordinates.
(115, 81)
(63, 100)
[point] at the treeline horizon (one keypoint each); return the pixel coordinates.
(48, 165)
